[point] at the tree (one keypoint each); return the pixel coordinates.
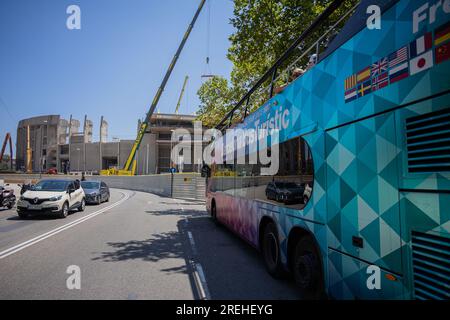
(215, 100)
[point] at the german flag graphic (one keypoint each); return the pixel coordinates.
(442, 34)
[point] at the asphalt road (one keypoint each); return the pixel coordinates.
(137, 246)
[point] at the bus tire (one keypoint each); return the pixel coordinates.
(271, 251)
(307, 269)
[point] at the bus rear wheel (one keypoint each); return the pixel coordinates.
(307, 269)
(271, 251)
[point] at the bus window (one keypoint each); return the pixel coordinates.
(244, 181)
(292, 185)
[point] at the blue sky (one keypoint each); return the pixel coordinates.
(112, 66)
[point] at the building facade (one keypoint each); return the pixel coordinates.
(58, 143)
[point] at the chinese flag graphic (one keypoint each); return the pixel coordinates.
(443, 53)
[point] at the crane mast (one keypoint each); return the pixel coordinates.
(181, 94)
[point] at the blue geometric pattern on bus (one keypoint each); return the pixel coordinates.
(362, 191)
(360, 167)
(363, 198)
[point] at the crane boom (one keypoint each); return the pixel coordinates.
(181, 94)
(2, 153)
(155, 101)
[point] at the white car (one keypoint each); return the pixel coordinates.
(53, 196)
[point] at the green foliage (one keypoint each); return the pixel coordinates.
(264, 29)
(215, 100)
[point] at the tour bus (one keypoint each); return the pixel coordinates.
(360, 205)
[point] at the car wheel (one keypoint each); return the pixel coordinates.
(107, 198)
(271, 251)
(99, 199)
(64, 210)
(82, 205)
(9, 206)
(22, 214)
(307, 269)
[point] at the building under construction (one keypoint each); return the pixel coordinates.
(54, 142)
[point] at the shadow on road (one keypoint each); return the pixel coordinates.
(161, 246)
(40, 216)
(184, 203)
(177, 212)
(166, 245)
(233, 269)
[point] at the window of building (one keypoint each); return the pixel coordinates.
(165, 136)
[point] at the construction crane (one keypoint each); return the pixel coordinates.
(181, 94)
(2, 153)
(131, 158)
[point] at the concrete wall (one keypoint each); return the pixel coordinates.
(147, 156)
(93, 162)
(157, 184)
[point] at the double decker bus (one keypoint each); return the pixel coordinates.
(360, 206)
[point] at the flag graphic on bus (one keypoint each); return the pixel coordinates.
(350, 88)
(379, 74)
(380, 81)
(398, 65)
(442, 34)
(364, 88)
(442, 51)
(411, 59)
(421, 54)
(363, 75)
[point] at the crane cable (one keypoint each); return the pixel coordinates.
(207, 70)
(208, 31)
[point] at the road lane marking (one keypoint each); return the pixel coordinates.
(28, 243)
(191, 240)
(199, 275)
(197, 269)
(204, 286)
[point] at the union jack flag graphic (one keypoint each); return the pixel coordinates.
(379, 67)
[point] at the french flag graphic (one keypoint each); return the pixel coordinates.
(420, 45)
(421, 54)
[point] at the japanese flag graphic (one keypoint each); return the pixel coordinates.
(421, 63)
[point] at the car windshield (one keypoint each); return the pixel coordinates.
(286, 185)
(51, 185)
(90, 185)
(290, 185)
